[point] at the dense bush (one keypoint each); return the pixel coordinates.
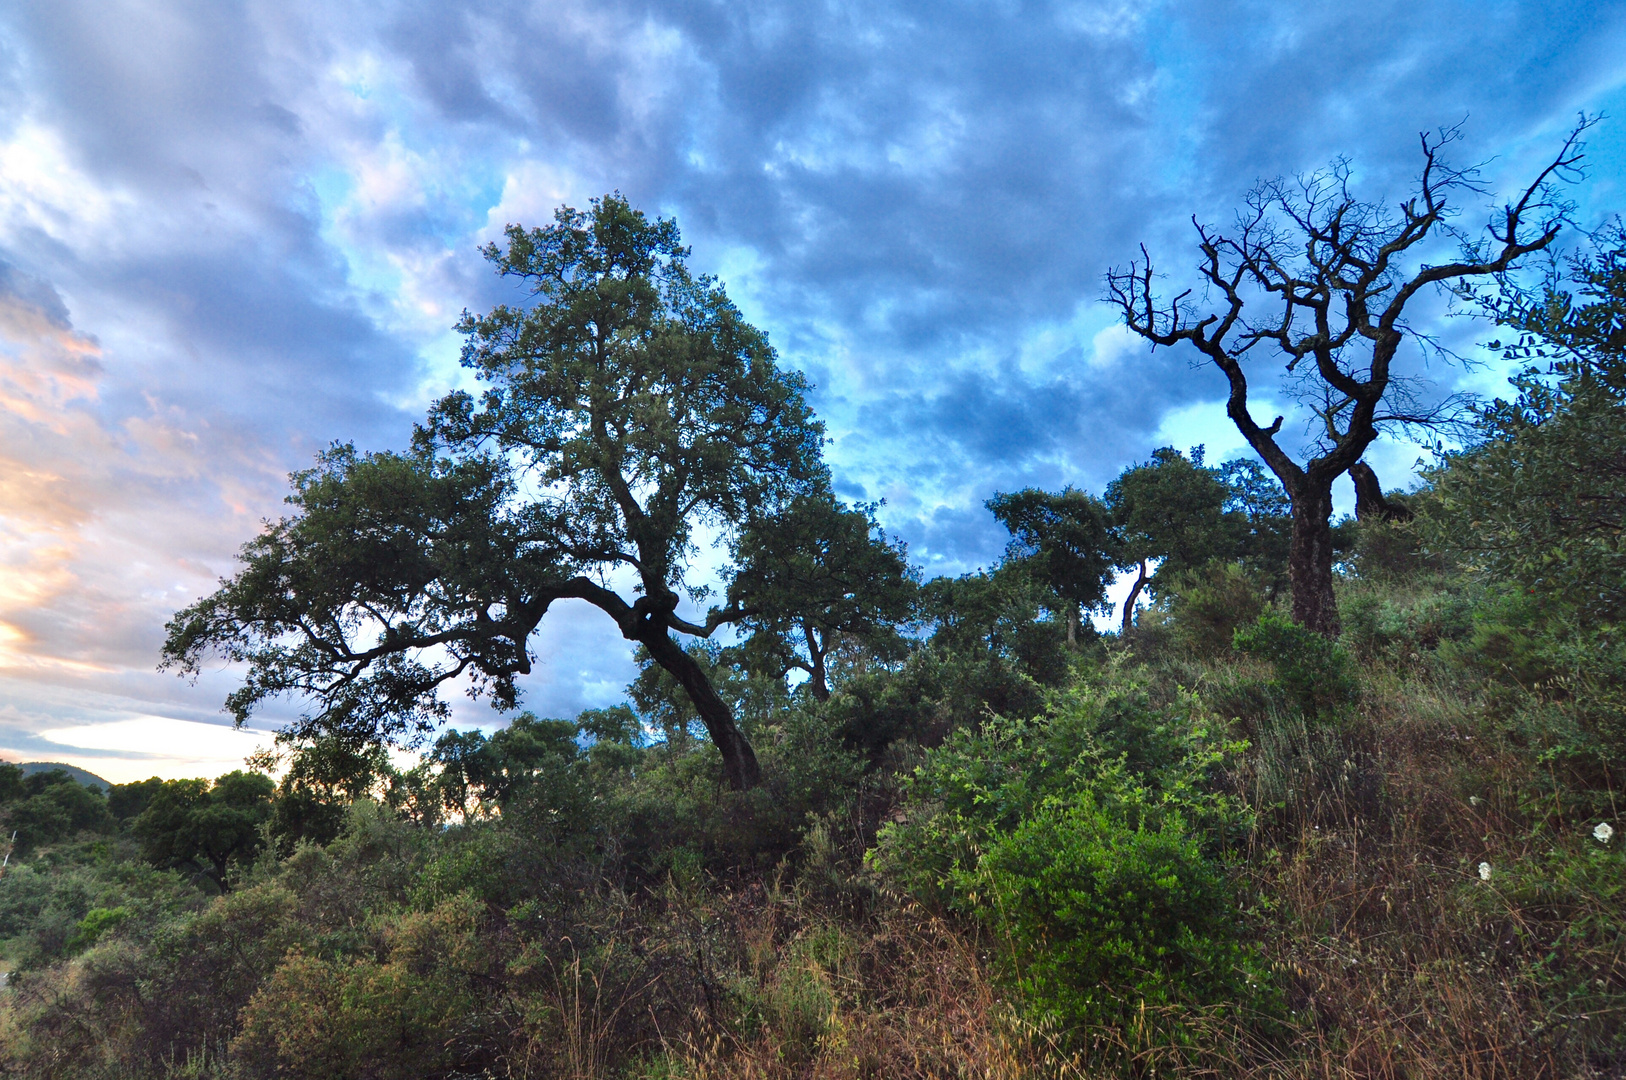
(1091, 841)
(1109, 913)
(1314, 674)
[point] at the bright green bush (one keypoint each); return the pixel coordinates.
(1108, 913)
(1091, 841)
(97, 921)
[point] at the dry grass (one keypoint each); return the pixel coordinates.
(1398, 962)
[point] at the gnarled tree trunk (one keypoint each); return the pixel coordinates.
(1134, 595)
(1370, 505)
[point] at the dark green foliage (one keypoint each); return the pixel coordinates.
(478, 774)
(11, 782)
(1173, 509)
(814, 579)
(998, 621)
(1313, 673)
(1405, 630)
(1204, 608)
(1069, 539)
(1538, 508)
(126, 801)
(622, 391)
(204, 826)
(323, 778)
(660, 700)
(1175, 512)
(1258, 496)
(51, 806)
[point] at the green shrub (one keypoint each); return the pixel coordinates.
(1402, 631)
(1108, 914)
(97, 921)
(1208, 605)
(1555, 683)
(413, 1012)
(1313, 672)
(1092, 841)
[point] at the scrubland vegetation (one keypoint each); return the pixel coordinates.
(972, 837)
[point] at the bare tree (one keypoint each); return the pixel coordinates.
(1311, 273)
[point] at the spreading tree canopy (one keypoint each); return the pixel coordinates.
(1171, 509)
(210, 826)
(629, 413)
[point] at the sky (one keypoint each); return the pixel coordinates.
(235, 231)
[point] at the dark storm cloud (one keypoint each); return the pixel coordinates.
(924, 169)
(935, 179)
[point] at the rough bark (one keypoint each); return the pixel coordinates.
(739, 760)
(1309, 560)
(816, 680)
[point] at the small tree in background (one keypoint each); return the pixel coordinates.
(1171, 510)
(813, 577)
(207, 826)
(1067, 539)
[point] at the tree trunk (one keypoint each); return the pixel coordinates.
(1134, 594)
(815, 672)
(1370, 505)
(739, 760)
(1309, 560)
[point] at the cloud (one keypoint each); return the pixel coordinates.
(122, 751)
(233, 233)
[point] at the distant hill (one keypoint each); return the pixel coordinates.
(29, 768)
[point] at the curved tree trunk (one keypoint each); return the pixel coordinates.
(1370, 505)
(1134, 595)
(1309, 560)
(739, 760)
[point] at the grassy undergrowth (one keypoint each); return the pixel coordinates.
(1191, 862)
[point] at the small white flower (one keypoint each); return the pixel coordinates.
(1474, 800)
(1484, 871)
(1603, 832)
